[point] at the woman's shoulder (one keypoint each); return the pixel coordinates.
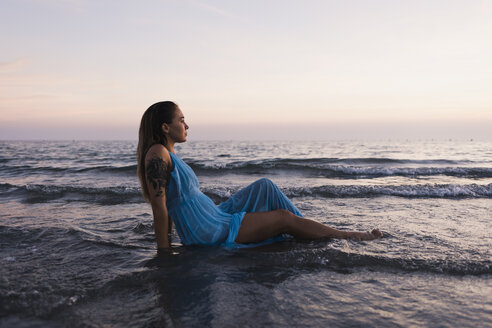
(159, 151)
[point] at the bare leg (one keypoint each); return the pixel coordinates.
(263, 225)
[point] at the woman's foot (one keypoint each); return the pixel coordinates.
(374, 234)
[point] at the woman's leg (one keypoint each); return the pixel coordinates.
(260, 226)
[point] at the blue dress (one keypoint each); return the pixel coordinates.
(199, 221)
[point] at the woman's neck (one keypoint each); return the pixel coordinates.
(170, 146)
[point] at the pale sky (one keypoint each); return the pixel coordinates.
(88, 69)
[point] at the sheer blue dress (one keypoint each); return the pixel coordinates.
(198, 220)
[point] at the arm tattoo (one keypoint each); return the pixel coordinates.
(157, 174)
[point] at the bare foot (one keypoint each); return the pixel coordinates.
(374, 234)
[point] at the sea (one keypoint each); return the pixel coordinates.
(77, 245)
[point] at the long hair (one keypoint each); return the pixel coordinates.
(150, 133)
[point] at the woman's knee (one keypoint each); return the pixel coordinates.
(264, 182)
(286, 219)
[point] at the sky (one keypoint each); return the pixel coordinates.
(269, 69)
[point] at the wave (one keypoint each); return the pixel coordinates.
(407, 191)
(451, 191)
(334, 160)
(302, 256)
(33, 193)
(69, 237)
(29, 170)
(339, 260)
(343, 168)
(132, 169)
(347, 168)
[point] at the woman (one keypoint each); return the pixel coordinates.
(257, 213)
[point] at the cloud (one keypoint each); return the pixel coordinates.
(212, 9)
(13, 66)
(73, 4)
(146, 21)
(28, 97)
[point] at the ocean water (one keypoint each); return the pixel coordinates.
(77, 246)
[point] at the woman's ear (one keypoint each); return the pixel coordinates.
(165, 128)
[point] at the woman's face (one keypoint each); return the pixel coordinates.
(177, 128)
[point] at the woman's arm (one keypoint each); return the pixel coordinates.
(161, 224)
(157, 170)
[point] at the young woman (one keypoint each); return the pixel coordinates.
(254, 214)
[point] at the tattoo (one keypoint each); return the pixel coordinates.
(157, 174)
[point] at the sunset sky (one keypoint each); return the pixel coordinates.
(87, 69)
